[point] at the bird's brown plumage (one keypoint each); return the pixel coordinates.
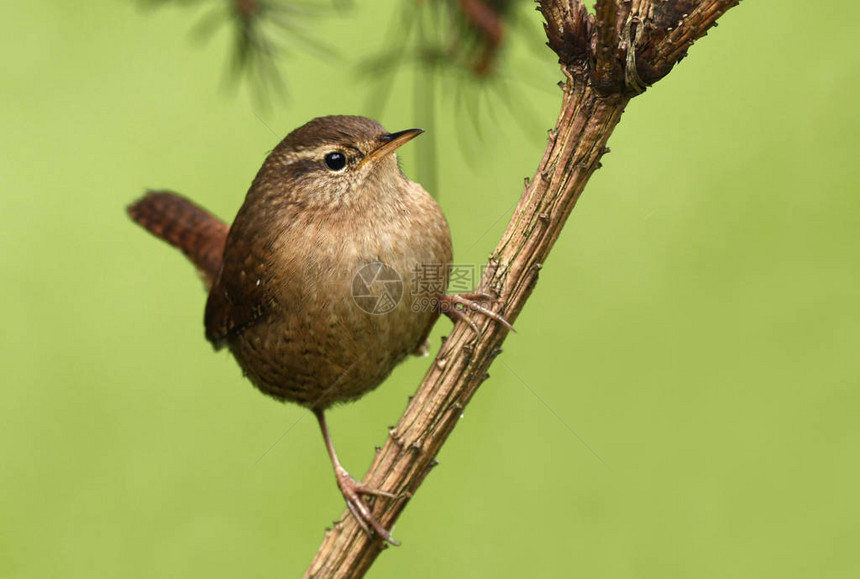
(283, 276)
(283, 300)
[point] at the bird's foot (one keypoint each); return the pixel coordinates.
(352, 490)
(455, 307)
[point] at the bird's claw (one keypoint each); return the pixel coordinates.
(470, 301)
(352, 490)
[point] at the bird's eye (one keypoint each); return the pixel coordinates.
(335, 160)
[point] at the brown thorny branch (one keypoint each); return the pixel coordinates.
(607, 58)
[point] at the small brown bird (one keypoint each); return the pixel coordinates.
(334, 269)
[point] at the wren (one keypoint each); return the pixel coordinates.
(311, 287)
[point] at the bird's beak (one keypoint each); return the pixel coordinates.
(390, 143)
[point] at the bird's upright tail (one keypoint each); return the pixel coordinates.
(184, 225)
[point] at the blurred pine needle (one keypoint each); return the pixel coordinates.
(266, 32)
(457, 51)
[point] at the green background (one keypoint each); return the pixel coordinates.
(697, 324)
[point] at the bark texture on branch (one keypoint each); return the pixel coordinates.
(607, 58)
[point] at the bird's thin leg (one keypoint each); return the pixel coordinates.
(472, 301)
(352, 490)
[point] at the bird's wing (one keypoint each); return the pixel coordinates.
(240, 295)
